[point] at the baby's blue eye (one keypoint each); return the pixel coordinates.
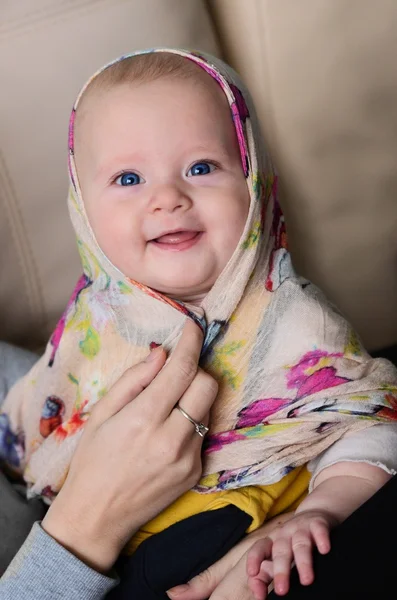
(128, 179)
(201, 168)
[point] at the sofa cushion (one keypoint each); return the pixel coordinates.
(323, 75)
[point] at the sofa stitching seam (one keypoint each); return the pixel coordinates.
(30, 274)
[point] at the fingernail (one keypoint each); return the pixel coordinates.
(153, 354)
(179, 589)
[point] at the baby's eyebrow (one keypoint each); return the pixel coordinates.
(208, 151)
(107, 168)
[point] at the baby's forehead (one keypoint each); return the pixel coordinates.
(174, 113)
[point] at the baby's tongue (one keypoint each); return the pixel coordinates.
(176, 238)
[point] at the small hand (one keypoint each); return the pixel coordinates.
(227, 578)
(271, 558)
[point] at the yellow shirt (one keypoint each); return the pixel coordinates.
(260, 502)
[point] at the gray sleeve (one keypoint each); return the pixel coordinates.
(375, 445)
(45, 570)
(17, 515)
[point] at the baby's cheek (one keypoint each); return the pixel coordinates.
(108, 231)
(95, 216)
(123, 246)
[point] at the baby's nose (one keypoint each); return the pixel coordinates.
(169, 198)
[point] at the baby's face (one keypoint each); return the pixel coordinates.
(162, 181)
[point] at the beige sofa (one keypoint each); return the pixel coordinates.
(324, 79)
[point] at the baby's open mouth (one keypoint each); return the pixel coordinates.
(177, 240)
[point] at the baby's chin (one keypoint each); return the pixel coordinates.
(192, 294)
(187, 296)
(188, 287)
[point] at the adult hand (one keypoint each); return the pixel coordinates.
(228, 577)
(137, 454)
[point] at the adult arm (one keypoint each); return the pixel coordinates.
(133, 460)
(44, 570)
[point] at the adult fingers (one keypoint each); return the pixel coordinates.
(171, 383)
(128, 387)
(302, 548)
(234, 586)
(282, 558)
(229, 589)
(196, 403)
(201, 586)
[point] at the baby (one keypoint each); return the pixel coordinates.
(173, 202)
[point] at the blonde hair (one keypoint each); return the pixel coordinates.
(147, 67)
(141, 69)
